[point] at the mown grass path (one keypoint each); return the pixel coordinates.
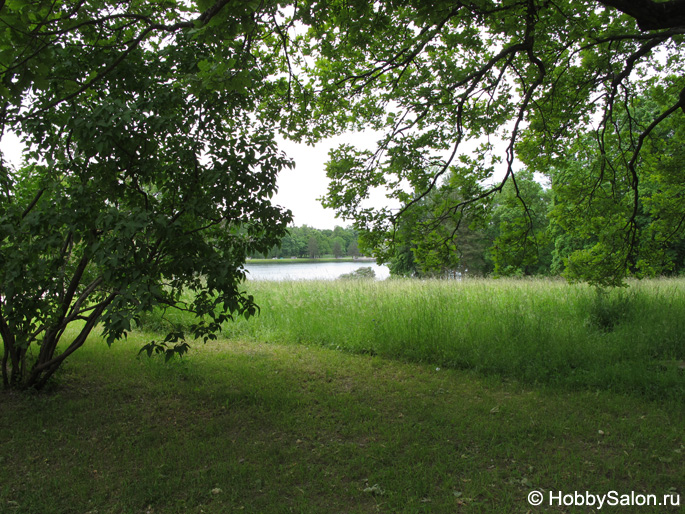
(271, 428)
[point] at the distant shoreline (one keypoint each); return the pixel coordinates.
(309, 261)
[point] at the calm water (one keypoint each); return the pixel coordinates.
(310, 270)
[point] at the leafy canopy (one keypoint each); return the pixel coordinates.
(479, 89)
(150, 170)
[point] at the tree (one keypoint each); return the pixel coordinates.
(353, 250)
(523, 245)
(432, 241)
(150, 169)
(296, 242)
(590, 231)
(313, 248)
(337, 248)
(445, 81)
(346, 236)
(324, 244)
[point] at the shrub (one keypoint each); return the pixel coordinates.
(365, 273)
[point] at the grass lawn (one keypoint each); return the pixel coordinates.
(278, 428)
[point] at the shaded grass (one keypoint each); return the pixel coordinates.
(536, 331)
(276, 428)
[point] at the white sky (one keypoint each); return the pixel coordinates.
(12, 148)
(300, 187)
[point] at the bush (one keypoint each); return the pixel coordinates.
(365, 273)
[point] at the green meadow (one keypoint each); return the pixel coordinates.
(360, 396)
(537, 331)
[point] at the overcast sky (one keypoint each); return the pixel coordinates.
(299, 188)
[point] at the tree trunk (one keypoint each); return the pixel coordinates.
(651, 15)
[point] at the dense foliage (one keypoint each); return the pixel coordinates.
(528, 229)
(150, 169)
(588, 93)
(312, 243)
(500, 237)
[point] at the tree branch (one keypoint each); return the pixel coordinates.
(49, 367)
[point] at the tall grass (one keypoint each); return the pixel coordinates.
(536, 331)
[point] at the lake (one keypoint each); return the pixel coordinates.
(310, 270)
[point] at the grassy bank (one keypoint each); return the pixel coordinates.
(535, 331)
(270, 428)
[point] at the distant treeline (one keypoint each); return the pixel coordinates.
(523, 231)
(312, 243)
